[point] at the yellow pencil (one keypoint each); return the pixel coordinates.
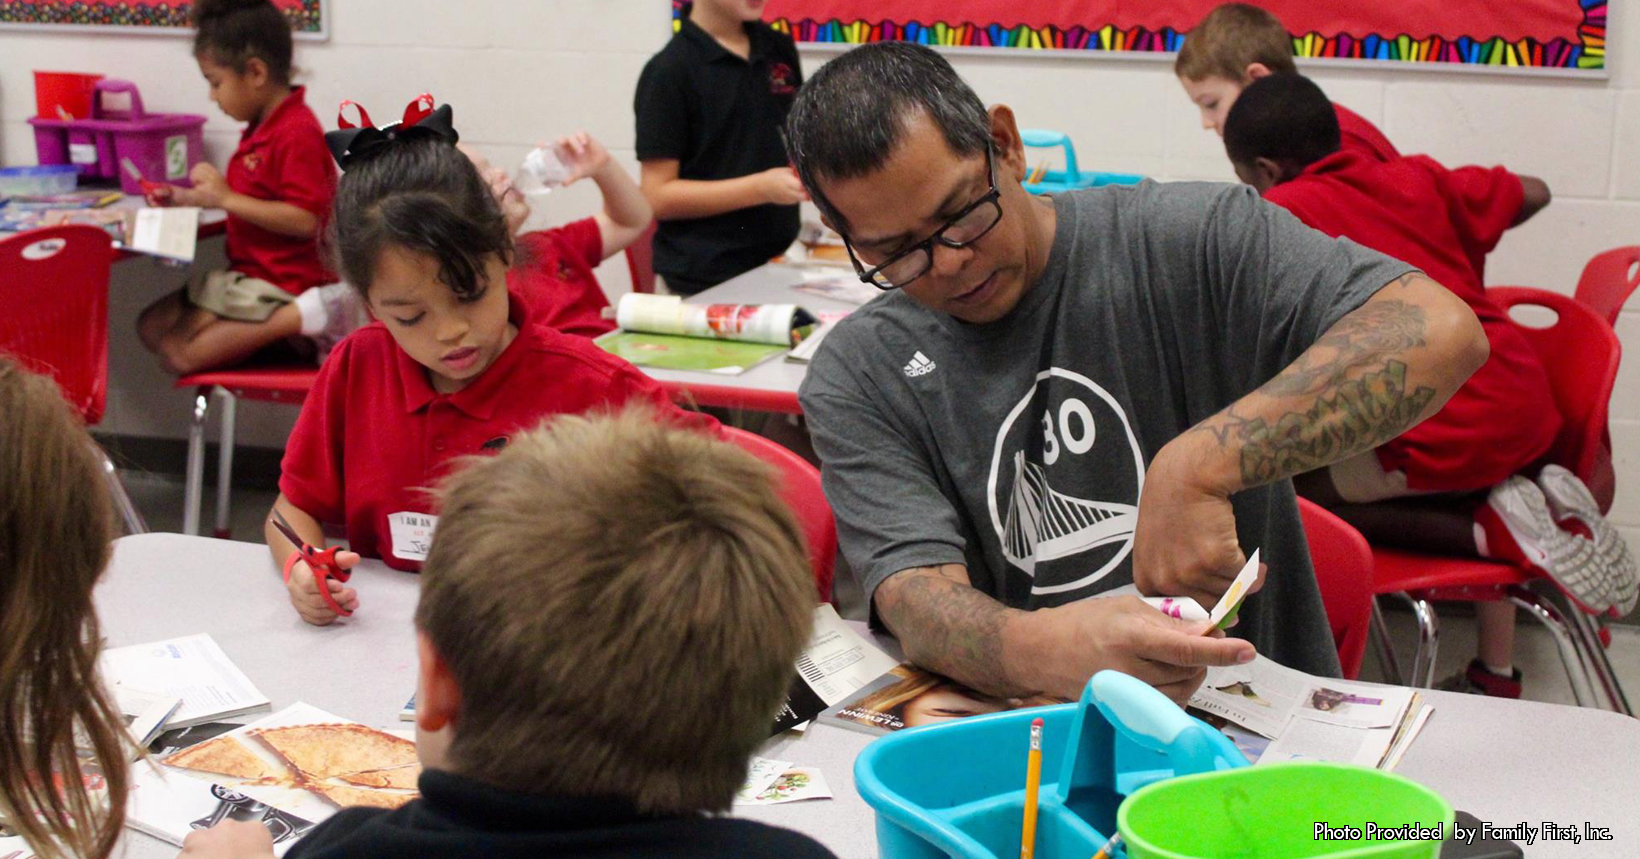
(1109, 849)
(1033, 780)
(1037, 173)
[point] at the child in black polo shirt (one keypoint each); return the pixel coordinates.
(609, 617)
(710, 108)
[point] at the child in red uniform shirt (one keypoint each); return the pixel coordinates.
(1283, 140)
(277, 194)
(452, 367)
(1238, 43)
(554, 267)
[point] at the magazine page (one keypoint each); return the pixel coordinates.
(294, 768)
(836, 663)
(1260, 696)
(673, 352)
(909, 696)
(192, 668)
(1309, 740)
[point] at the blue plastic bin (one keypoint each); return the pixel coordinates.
(958, 789)
(1069, 179)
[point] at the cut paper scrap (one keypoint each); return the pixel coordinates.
(1224, 613)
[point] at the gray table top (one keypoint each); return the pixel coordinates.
(768, 284)
(1503, 761)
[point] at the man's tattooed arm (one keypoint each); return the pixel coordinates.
(947, 626)
(1375, 374)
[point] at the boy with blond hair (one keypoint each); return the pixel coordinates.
(609, 617)
(1238, 43)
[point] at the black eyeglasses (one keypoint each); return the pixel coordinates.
(969, 226)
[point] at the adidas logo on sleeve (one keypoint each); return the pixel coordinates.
(919, 366)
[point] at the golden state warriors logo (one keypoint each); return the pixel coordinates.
(1064, 485)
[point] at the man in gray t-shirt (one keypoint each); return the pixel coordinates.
(1064, 396)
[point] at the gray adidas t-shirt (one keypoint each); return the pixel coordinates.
(1019, 447)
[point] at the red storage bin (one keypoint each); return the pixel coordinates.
(70, 91)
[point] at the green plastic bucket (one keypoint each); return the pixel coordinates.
(1272, 812)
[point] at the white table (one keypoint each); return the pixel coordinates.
(1503, 761)
(772, 385)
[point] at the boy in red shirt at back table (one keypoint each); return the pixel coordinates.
(1237, 44)
(1283, 138)
(277, 193)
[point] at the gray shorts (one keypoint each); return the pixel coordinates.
(236, 296)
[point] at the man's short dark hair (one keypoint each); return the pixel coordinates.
(852, 113)
(1282, 118)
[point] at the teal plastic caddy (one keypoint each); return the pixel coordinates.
(958, 789)
(1070, 178)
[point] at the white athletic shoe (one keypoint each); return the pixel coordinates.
(1515, 525)
(1570, 501)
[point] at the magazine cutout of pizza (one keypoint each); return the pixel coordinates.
(345, 763)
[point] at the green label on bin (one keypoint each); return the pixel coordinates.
(176, 157)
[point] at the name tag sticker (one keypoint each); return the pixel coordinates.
(412, 534)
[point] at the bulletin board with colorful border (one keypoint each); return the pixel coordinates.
(1566, 36)
(307, 17)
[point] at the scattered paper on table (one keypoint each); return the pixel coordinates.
(793, 785)
(192, 668)
(760, 775)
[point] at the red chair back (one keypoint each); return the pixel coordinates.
(1608, 281)
(1343, 569)
(1581, 352)
(640, 261)
(800, 486)
(54, 288)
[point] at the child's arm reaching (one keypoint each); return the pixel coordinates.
(211, 191)
(677, 199)
(626, 211)
(304, 591)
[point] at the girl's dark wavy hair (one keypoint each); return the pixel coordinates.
(231, 32)
(424, 196)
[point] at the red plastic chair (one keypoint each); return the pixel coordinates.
(800, 486)
(640, 261)
(281, 384)
(1343, 568)
(1608, 280)
(54, 283)
(1581, 353)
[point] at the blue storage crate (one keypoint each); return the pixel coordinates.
(958, 789)
(1069, 179)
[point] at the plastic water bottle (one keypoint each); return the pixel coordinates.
(541, 172)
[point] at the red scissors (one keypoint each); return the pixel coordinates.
(154, 193)
(321, 561)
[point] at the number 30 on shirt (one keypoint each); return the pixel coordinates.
(1076, 431)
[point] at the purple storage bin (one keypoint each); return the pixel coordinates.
(164, 146)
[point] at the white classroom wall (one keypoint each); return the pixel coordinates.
(520, 71)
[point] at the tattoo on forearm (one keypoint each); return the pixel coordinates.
(1373, 330)
(1358, 415)
(1357, 390)
(947, 626)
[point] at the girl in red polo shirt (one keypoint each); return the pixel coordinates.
(452, 366)
(276, 192)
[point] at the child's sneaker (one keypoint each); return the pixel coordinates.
(1477, 679)
(1571, 502)
(330, 313)
(1515, 525)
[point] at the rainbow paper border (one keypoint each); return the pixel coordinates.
(90, 13)
(1588, 52)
